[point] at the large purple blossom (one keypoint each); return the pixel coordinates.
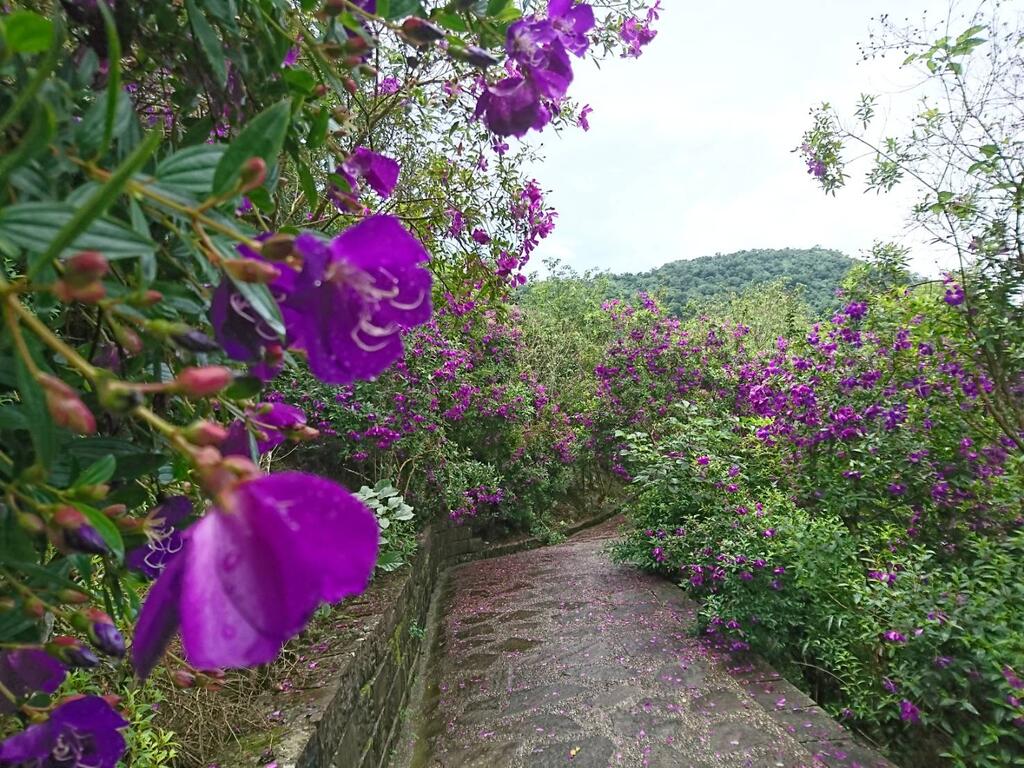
(25, 671)
(378, 171)
(539, 69)
(255, 568)
(165, 539)
(81, 732)
(354, 296)
(571, 23)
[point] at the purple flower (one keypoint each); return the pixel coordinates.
(894, 637)
(582, 120)
(240, 330)
(165, 538)
(291, 57)
(272, 423)
(389, 85)
(255, 568)
(378, 171)
(909, 713)
(80, 732)
(537, 48)
(24, 671)
(511, 107)
(636, 34)
(354, 296)
(480, 236)
(571, 24)
(954, 295)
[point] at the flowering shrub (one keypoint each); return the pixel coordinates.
(198, 198)
(843, 504)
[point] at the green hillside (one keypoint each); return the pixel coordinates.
(819, 271)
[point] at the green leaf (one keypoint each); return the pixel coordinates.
(306, 181)
(115, 96)
(28, 32)
(208, 41)
(84, 217)
(399, 9)
(318, 129)
(33, 226)
(191, 170)
(243, 388)
(41, 428)
(263, 136)
(299, 80)
(91, 132)
(105, 527)
(260, 299)
(12, 417)
(33, 143)
(27, 95)
(100, 471)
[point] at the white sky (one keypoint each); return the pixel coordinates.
(689, 151)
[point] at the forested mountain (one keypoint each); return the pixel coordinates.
(819, 271)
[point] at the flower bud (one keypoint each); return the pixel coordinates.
(34, 608)
(93, 492)
(254, 173)
(319, 91)
(305, 433)
(86, 294)
(251, 270)
(182, 678)
(65, 406)
(472, 54)
(76, 533)
(416, 31)
(278, 247)
(30, 523)
(130, 524)
(72, 596)
(114, 511)
(203, 382)
(350, 86)
(116, 396)
(127, 338)
(85, 268)
(205, 433)
(333, 7)
(194, 341)
(72, 652)
(100, 629)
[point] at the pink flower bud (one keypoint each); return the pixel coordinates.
(254, 173)
(85, 268)
(65, 406)
(251, 270)
(203, 382)
(205, 433)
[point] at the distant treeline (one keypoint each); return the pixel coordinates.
(817, 271)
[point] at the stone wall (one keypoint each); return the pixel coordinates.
(358, 723)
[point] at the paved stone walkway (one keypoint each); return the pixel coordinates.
(559, 657)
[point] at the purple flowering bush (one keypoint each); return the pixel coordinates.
(201, 205)
(844, 501)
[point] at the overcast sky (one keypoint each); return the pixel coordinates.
(689, 151)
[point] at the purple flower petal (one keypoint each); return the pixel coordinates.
(158, 620)
(254, 576)
(26, 670)
(81, 732)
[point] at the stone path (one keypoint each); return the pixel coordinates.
(558, 657)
